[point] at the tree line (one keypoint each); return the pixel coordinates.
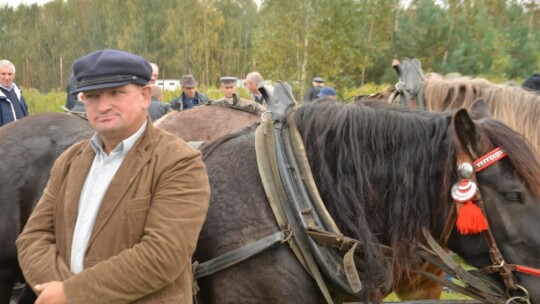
(348, 42)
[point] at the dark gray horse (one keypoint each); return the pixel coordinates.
(384, 175)
(29, 147)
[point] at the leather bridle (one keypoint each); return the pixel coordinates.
(499, 265)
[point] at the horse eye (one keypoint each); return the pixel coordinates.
(512, 196)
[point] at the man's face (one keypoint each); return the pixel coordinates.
(117, 113)
(189, 91)
(228, 89)
(7, 75)
(154, 77)
(253, 87)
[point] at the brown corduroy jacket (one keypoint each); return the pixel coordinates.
(145, 232)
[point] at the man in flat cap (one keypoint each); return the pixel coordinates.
(120, 216)
(316, 86)
(228, 88)
(190, 97)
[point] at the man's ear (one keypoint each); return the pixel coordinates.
(146, 92)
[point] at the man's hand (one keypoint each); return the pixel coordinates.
(51, 293)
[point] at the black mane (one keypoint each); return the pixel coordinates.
(383, 174)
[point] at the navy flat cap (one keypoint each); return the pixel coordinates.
(109, 69)
(228, 80)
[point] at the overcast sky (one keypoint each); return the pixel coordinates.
(15, 3)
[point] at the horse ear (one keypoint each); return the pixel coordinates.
(465, 132)
(479, 109)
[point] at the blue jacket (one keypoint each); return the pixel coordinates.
(6, 107)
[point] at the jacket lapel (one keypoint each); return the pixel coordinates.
(128, 172)
(76, 176)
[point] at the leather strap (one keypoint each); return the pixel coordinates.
(238, 255)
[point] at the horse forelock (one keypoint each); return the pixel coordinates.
(516, 107)
(383, 173)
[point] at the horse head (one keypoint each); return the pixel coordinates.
(509, 188)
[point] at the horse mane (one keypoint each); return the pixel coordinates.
(383, 172)
(517, 108)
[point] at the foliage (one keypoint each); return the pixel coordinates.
(349, 42)
(39, 102)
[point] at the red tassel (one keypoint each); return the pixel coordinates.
(471, 219)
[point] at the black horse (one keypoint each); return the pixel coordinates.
(384, 175)
(28, 152)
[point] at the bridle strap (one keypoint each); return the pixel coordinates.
(489, 159)
(499, 264)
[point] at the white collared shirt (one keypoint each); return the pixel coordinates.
(95, 186)
(7, 89)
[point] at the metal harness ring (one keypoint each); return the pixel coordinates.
(523, 299)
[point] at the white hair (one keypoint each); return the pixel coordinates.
(6, 63)
(254, 77)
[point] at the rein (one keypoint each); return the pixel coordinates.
(465, 192)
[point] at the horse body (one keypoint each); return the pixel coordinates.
(384, 174)
(239, 207)
(206, 123)
(28, 152)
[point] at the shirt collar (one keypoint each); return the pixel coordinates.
(7, 89)
(123, 147)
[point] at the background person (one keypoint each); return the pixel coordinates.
(12, 103)
(120, 216)
(253, 80)
(155, 73)
(327, 92)
(316, 85)
(190, 97)
(532, 83)
(71, 98)
(228, 88)
(157, 107)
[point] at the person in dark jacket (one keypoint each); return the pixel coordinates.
(12, 103)
(71, 98)
(190, 97)
(157, 107)
(532, 83)
(316, 86)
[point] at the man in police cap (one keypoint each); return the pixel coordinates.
(120, 216)
(228, 88)
(316, 86)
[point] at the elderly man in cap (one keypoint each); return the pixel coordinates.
(316, 86)
(228, 88)
(119, 219)
(190, 97)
